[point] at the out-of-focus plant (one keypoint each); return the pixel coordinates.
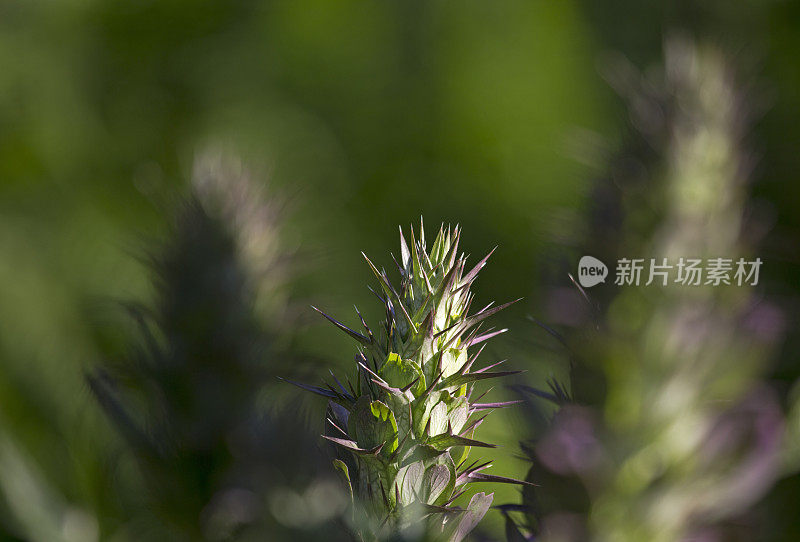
(38, 512)
(228, 193)
(404, 428)
(192, 399)
(687, 436)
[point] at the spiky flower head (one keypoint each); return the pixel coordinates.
(405, 427)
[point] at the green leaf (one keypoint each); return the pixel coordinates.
(480, 477)
(383, 414)
(458, 413)
(440, 481)
(421, 411)
(409, 482)
(441, 246)
(372, 424)
(476, 509)
(353, 446)
(405, 255)
(400, 373)
(448, 415)
(438, 420)
(445, 441)
(342, 468)
(453, 360)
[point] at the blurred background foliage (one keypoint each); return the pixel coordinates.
(668, 431)
(359, 116)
